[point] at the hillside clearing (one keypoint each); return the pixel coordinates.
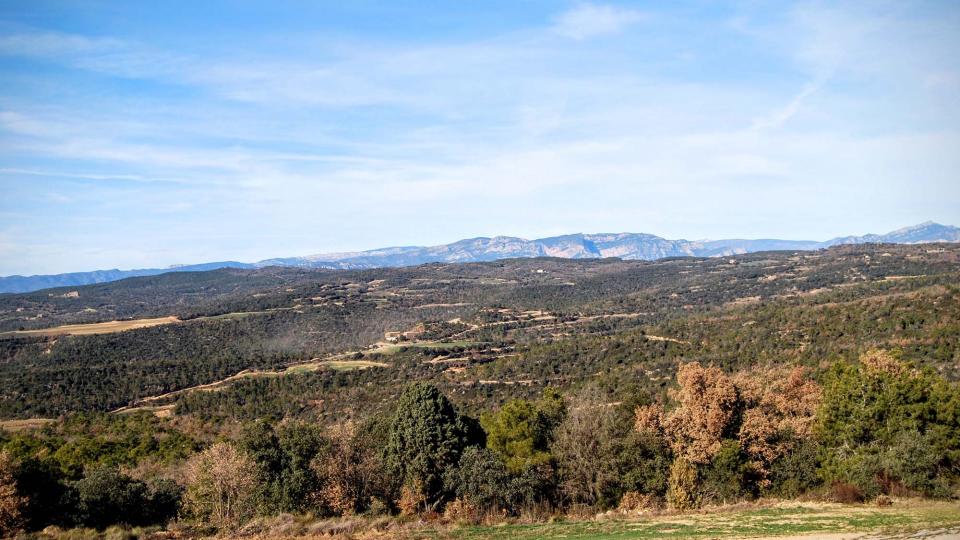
(26, 423)
(348, 365)
(108, 327)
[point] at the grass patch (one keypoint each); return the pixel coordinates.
(800, 519)
(350, 365)
(433, 345)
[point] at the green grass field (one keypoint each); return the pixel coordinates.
(393, 349)
(788, 519)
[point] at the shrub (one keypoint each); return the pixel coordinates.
(284, 457)
(517, 435)
(843, 492)
(912, 464)
(521, 431)
(635, 502)
(47, 497)
(534, 489)
(107, 497)
(480, 480)
(728, 477)
(377, 507)
(163, 500)
(411, 501)
(796, 472)
(461, 511)
(766, 412)
(683, 493)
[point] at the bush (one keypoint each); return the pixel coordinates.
(480, 480)
(461, 511)
(411, 501)
(843, 492)
(349, 471)
(106, 497)
(48, 499)
(728, 477)
(520, 433)
(284, 457)
(795, 473)
(912, 464)
(163, 501)
(683, 493)
(535, 487)
(634, 502)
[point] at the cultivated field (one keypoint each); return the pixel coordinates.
(108, 327)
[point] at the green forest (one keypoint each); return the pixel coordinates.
(517, 391)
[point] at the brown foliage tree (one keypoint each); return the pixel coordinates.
(708, 405)
(766, 412)
(778, 412)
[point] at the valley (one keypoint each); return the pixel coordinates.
(568, 361)
(471, 328)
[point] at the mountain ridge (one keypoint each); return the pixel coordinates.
(636, 246)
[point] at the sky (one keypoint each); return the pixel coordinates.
(145, 134)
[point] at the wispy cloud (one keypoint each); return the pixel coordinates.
(106, 55)
(329, 143)
(783, 114)
(591, 20)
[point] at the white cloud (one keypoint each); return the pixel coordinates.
(783, 114)
(338, 148)
(40, 44)
(100, 54)
(591, 20)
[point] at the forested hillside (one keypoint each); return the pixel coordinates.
(551, 383)
(519, 325)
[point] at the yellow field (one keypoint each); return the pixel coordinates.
(347, 365)
(93, 328)
(27, 423)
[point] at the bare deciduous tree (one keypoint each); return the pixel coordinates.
(582, 443)
(221, 485)
(348, 471)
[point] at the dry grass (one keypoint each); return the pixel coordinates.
(765, 519)
(108, 327)
(26, 423)
(782, 520)
(349, 365)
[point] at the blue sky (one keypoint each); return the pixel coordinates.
(144, 134)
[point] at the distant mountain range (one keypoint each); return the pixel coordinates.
(574, 246)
